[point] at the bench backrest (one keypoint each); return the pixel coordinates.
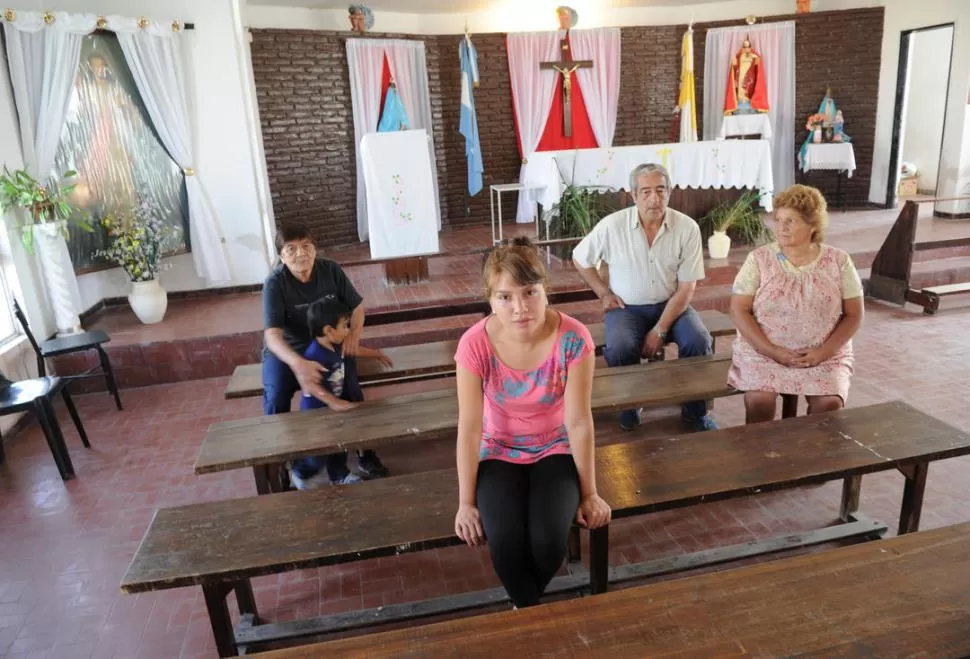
(908, 595)
(279, 532)
(274, 439)
(434, 358)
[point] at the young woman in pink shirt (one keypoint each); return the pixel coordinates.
(525, 426)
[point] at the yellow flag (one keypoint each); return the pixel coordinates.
(687, 101)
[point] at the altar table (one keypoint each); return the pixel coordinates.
(709, 164)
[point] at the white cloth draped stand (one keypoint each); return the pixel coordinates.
(746, 124)
(713, 164)
(839, 156)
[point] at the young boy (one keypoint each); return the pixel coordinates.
(329, 321)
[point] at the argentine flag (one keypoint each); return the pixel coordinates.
(468, 124)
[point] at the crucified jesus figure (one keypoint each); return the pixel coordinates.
(566, 67)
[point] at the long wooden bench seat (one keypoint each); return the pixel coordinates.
(427, 360)
(267, 441)
(907, 596)
(221, 545)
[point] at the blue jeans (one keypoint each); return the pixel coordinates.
(279, 385)
(627, 328)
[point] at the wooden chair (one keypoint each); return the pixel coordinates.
(36, 396)
(65, 345)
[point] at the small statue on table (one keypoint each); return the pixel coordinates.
(746, 90)
(825, 126)
(361, 18)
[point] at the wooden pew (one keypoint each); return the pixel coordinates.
(428, 360)
(906, 596)
(221, 545)
(265, 442)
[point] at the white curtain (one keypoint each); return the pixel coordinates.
(600, 84)
(406, 59)
(532, 92)
(156, 65)
(776, 43)
(44, 57)
(365, 64)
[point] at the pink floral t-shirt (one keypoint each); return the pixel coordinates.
(523, 419)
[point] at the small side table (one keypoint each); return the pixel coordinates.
(835, 156)
(495, 194)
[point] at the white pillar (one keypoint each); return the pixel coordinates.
(58, 274)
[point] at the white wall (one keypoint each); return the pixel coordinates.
(926, 102)
(226, 136)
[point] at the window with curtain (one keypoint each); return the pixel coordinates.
(109, 140)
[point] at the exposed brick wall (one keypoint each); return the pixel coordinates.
(305, 109)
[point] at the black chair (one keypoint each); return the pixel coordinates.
(69, 344)
(36, 396)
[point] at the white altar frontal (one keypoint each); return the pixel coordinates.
(710, 164)
(403, 217)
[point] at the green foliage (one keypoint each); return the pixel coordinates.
(43, 203)
(741, 218)
(139, 238)
(578, 211)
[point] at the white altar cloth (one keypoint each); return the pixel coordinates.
(839, 156)
(402, 215)
(709, 164)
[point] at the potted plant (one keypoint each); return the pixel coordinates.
(139, 238)
(741, 217)
(576, 213)
(47, 205)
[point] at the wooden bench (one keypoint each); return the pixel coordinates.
(905, 596)
(934, 294)
(429, 360)
(221, 545)
(889, 278)
(265, 442)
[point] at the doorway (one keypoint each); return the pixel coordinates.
(923, 82)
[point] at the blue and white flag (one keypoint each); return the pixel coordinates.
(468, 124)
(393, 117)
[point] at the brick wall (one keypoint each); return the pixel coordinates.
(303, 93)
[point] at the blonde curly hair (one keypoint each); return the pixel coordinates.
(810, 205)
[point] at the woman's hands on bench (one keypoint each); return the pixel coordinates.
(468, 525)
(593, 512)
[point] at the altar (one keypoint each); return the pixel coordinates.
(711, 164)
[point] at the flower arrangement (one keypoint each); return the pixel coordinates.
(45, 203)
(139, 239)
(816, 120)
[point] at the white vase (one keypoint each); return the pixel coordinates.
(718, 245)
(148, 300)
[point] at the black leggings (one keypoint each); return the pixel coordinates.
(526, 511)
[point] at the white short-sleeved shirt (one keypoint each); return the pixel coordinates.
(639, 273)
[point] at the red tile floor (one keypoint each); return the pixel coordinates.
(65, 546)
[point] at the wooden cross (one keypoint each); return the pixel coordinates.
(565, 67)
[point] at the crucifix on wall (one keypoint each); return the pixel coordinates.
(565, 67)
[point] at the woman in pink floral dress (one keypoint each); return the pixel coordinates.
(797, 304)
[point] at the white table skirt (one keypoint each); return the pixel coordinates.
(834, 155)
(746, 124)
(711, 164)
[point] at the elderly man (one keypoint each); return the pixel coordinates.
(655, 259)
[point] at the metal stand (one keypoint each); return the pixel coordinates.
(495, 198)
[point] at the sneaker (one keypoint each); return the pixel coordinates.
(629, 419)
(370, 466)
(701, 424)
(313, 482)
(349, 479)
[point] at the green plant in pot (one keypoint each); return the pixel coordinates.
(47, 205)
(741, 218)
(576, 213)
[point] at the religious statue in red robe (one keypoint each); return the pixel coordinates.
(746, 92)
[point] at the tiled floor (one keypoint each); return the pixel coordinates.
(64, 547)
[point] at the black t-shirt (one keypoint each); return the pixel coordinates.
(286, 299)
